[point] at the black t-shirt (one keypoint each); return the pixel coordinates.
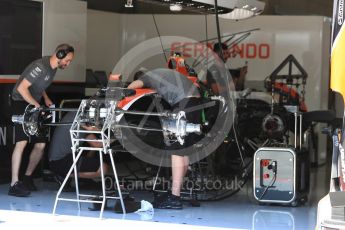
(170, 84)
(40, 74)
(60, 144)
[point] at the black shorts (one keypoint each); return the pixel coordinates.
(85, 164)
(18, 108)
(192, 117)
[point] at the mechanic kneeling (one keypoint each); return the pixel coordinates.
(61, 158)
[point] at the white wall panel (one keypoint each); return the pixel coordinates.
(104, 39)
(65, 22)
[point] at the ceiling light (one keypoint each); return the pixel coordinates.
(241, 9)
(129, 3)
(238, 14)
(175, 7)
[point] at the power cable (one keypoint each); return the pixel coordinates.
(160, 39)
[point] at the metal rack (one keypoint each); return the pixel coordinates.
(103, 136)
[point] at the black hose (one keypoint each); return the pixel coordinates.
(160, 39)
(273, 180)
(218, 29)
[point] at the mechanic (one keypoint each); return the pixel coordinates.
(29, 89)
(215, 78)
(60, 153)
(180, 93)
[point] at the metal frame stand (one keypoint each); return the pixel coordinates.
(104, 136)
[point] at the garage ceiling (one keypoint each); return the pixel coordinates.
(151, 6)
(273, 7)
(299, 7)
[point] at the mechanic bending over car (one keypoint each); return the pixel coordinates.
(60, 153)
(29, 89)
(180, 93)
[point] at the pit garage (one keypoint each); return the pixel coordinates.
(191, 114)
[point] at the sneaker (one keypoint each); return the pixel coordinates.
(29, 183)
(18, 189)
(168, 202)
(159, 196)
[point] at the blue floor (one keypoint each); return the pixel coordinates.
(239, 211)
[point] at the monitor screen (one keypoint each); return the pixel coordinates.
(20, 34)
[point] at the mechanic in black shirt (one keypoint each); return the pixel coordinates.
(29, 89)
(60, 152)
(180, 93)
